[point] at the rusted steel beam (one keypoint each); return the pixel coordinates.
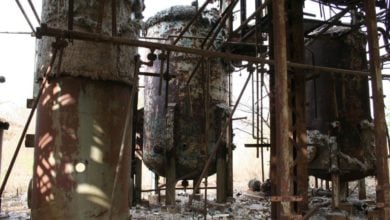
(282, 110)
(330, 22)
(213, 33)
(298, 84)
(253, 15)
(25, 15)
(382, 167)
(54, 32)
(34, 11)
(185, 29)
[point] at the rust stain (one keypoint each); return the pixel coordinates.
(341, 99)
(189, 114)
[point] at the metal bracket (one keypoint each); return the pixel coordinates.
(29, 141)
(30, 103)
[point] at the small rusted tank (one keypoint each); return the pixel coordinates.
(187, 123)
(338, 106)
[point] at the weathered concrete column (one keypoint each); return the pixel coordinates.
(84, 116)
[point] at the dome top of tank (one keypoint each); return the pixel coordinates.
(181, 12)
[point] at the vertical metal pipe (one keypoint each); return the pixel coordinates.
(170, 154)
(362, 189)
(34, 11)
(273, 153)
(382, 167)
(205, 199)
(71, 14)
(243, 14)
(335, 171)
(262, 122)
(221, 175)
(297, 54)
(229, 141)
(327, 187)
(258, 115)
(282, 112)
(113, 14)
(3, 126)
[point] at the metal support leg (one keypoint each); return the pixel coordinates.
(221, 175)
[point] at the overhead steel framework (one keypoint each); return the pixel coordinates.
(272, 41)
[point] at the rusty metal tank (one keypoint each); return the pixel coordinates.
(339, 106)
(81, 117)
(180, 126)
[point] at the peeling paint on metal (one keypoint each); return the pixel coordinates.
(88, 59)
(189, 111)
(344, 99)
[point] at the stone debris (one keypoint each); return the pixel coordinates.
(239, 207)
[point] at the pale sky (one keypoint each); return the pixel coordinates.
(17, 52)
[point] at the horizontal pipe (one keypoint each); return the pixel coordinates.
(54, 32)
(154, 74)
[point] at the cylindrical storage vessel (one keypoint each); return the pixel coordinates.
(81, 116)
(186, 124)
(338, 105)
